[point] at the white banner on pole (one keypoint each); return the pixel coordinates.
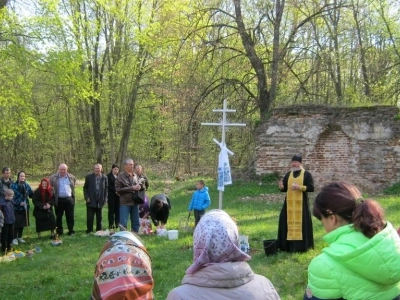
(224, 169)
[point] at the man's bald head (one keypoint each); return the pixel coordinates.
(63, 169)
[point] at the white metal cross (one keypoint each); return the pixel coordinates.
(222, 172)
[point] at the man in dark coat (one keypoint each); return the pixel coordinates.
(95, 191)
(295, 232)
(113, 198)
(159, 210)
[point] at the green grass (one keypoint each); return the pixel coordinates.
(393, 189)
(66, 272)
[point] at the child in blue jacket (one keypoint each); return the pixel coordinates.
(200, 201)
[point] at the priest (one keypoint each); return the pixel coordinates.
(295, 231)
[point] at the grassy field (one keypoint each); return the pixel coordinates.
(66, 272)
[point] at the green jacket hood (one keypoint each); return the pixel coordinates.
(352, 249)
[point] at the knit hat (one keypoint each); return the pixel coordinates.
(297, 158)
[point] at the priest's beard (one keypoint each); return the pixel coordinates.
(296, 169)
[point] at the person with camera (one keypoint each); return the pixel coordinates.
(142, 179)
(127, 185)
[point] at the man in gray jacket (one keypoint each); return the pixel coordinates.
(95, 191)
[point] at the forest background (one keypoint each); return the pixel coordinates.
(85, 81)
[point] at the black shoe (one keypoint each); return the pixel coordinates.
(52, 236)
(71, 233)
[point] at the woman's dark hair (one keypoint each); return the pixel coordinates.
(344, 199)
(114, 166)
(19, 173)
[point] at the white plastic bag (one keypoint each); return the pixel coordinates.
(162, 232)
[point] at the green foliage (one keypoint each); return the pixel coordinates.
(169, 64)
(15, 94)
(392, 190)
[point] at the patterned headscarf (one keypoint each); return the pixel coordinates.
(216, 240)
(123, 270)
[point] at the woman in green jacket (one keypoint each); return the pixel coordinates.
(362, 261)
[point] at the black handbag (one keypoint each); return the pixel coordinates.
(138, 197)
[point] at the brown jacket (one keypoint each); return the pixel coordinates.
(124, 186)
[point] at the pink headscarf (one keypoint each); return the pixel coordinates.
(216, 240)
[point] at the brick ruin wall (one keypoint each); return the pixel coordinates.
(360, 145)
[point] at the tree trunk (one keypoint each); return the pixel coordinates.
(364, 72)
(264, 99)
(126, 131)
(95, 112)
(276, 55)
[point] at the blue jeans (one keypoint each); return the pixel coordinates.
(124, 212)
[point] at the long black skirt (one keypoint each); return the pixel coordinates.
(45, 220)
(21, 218)
(308, 239)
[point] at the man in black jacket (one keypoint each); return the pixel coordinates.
(159, 210)
(95, 191)
(113, 199)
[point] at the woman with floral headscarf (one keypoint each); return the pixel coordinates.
(43, 200)
(219, 270)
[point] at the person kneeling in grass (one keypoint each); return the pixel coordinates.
(160, 206)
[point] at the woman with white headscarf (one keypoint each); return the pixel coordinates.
(219, 270)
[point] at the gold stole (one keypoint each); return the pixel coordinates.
(294, 205)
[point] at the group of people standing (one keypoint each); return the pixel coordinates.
(14, 203)
(55, 197)
(14, 207)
